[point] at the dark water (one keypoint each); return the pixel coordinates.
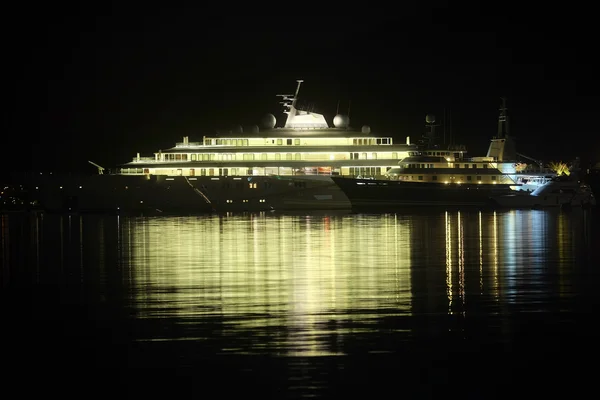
(414, 305)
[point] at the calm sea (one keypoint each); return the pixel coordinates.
(411, 305)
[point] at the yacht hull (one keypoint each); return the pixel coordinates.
(177, 194)
(381, 195)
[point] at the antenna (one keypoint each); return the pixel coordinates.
(291, 108)
(297, 91)
(450, 138)
(444, 124)
(349, 102)
(337, 110)
(503, 120)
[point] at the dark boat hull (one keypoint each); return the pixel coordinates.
(387, 195)
(179, 194)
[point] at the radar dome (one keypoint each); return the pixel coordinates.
(269, 121)
(238, 129)
(430, 118)
(341, 121)
(254, 129)
(366, 129)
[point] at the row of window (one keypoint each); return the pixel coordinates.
(291, 142)
(264, 156)
(435, 178)
(457, 165)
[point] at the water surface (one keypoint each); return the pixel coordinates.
(287, 306)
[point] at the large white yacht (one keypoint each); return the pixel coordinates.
(446, 177)
(268, 168)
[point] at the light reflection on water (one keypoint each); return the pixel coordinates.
(296, 278)
(305, 285)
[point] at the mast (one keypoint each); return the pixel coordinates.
(444, 125)
(503, 120)
(291, 108)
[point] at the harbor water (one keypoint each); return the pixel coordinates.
(414, 304)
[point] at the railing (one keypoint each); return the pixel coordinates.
(188, 144)
(144, 159)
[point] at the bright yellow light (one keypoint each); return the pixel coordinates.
(242, 274)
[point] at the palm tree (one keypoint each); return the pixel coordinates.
(559, 167)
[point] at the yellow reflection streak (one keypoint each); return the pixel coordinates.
(304, 276)
(480, 254)
(461, 260)
(564, 252)
(496, 291)
(449, 289)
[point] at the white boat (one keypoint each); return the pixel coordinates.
(268, 168)
(446, 177)
(560, 191)
(443, 176)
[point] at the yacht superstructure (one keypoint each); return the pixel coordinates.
(268, 168)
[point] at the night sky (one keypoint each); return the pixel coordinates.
(104, 82)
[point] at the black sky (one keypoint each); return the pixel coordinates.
(104, 82)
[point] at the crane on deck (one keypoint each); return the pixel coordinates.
(100, 169)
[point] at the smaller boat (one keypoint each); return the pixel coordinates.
(560, 191)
